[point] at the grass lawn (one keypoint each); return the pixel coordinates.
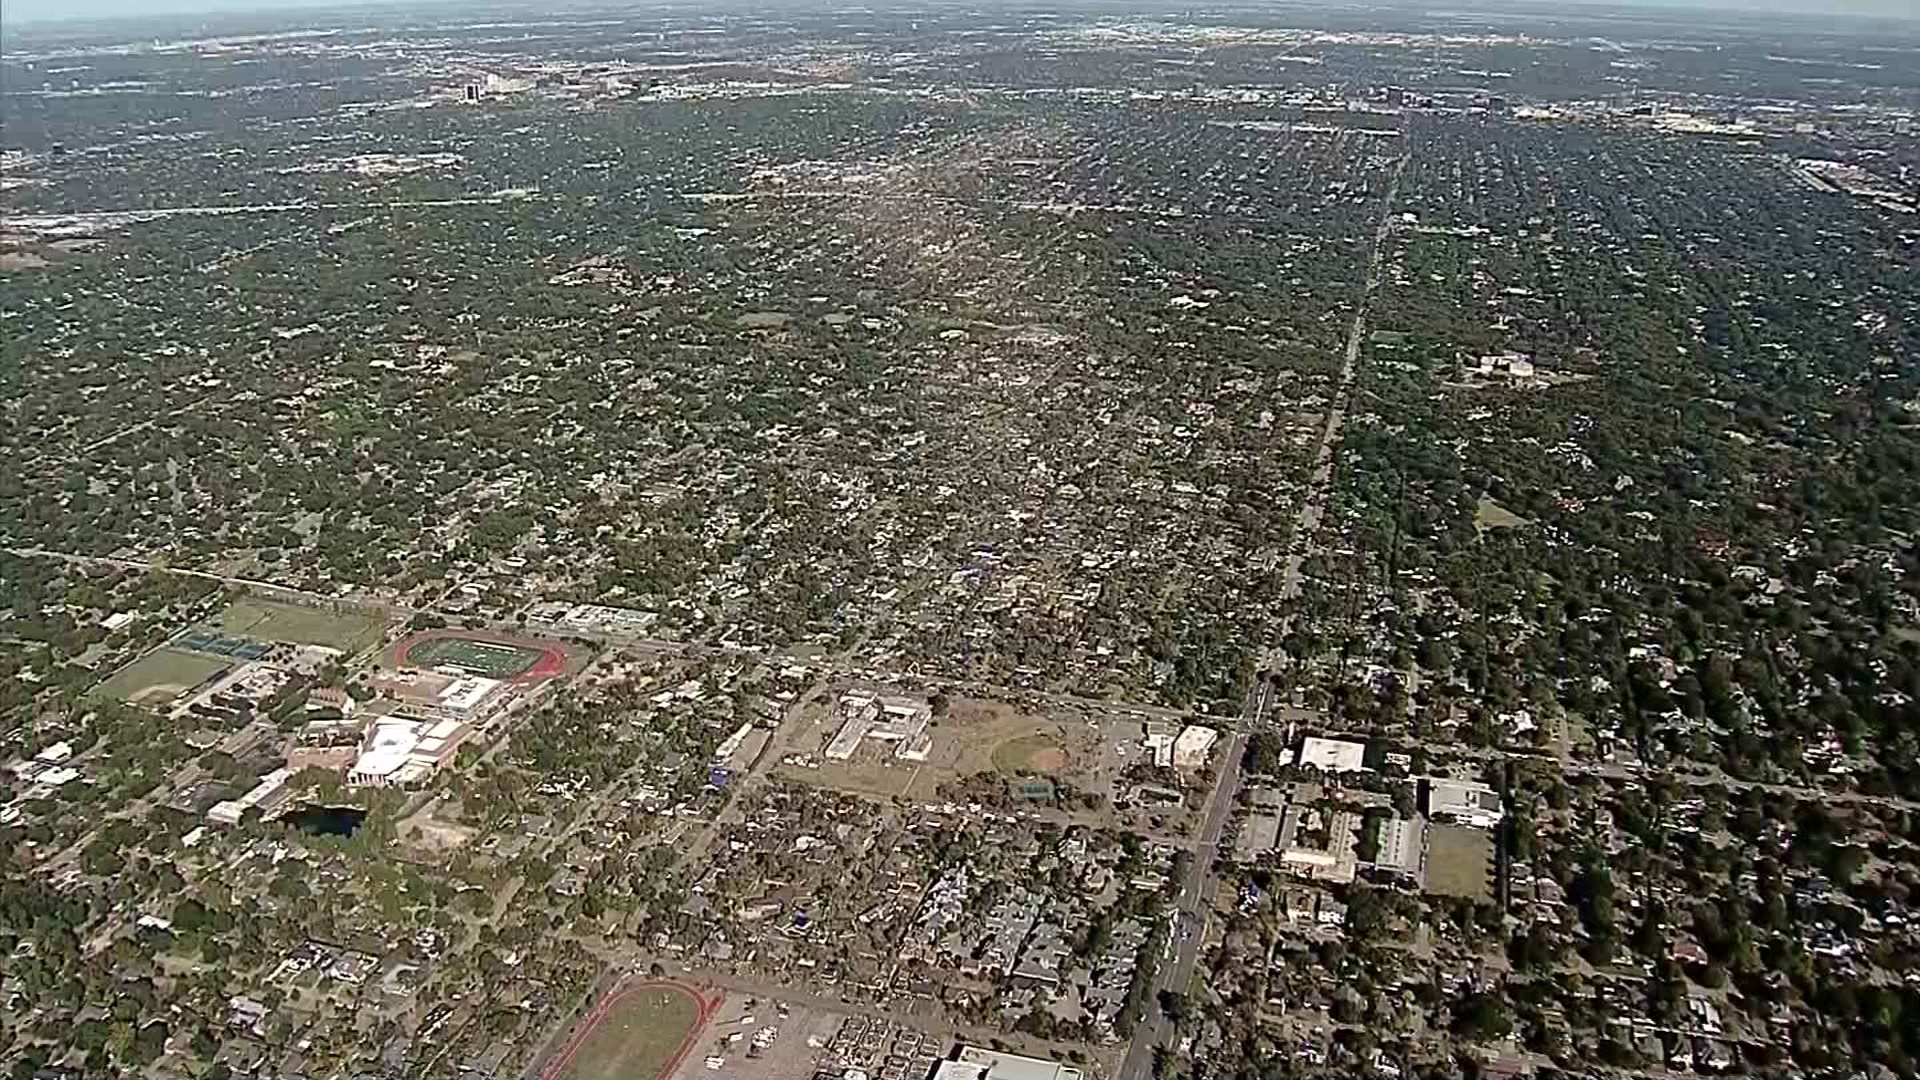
(264, 620)
(1488, 514)
(637, 1039)
(160, 676)
(1460, 862)
(1030, 753)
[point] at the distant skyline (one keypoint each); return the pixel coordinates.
(66, 10)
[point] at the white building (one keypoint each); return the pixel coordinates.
(59, 777)
(1159, 741)
(1333, 756)
(976, 1063)
(1403, 843)
(1190, 750)
(467, 694)
(56, 754)
(401, 752)
(1464, 802)
(733, 742)
(901, 721)
(1320, 844)
(270, 790)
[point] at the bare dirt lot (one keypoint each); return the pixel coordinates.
(974, 737)
(799, 1042)
(430, 836)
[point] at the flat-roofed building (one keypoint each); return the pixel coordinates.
(399, 752)
(1159, 740)
(1195, 743)
(1465, 802)
(1319, 843)
(1403, 845)
(447, 694)
(268, 793)
(1335, 756)
(466, 695)
(901, 721)
(978, 1063)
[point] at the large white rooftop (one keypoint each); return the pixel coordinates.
(978, 1063)
(1332, 755)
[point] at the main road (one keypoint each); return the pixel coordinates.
(1300, 545)
(1189, 922)
(1189, 927)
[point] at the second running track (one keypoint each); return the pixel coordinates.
(704, 1008)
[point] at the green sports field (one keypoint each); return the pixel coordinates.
(162, 675)
(265, 620)
(490, 658)
(641, 1037)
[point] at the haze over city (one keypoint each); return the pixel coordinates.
(1068, 541)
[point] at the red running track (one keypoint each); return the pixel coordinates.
(704, 1009)
(552, 662)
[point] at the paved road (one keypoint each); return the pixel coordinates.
(1176, 973)
(1300, 545)
(1189, 925)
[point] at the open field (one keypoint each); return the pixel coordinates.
(162, 675)
(1488, 514)
(974, 737)
(265, 620)
(638, 1033)
(1031, 753)
(1460, 862)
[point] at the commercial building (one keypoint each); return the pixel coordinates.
(399, 752)
(1159, 741)
(1319, 843)
(1190, 750)
(1464, 802)
(1403, 845)
(265, 795)
(1333, 756)
(901, 721)
(978, 1063)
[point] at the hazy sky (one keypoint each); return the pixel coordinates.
(39, 10)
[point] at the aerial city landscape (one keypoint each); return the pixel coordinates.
(1071, 541)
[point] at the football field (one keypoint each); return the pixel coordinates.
(493, 659)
